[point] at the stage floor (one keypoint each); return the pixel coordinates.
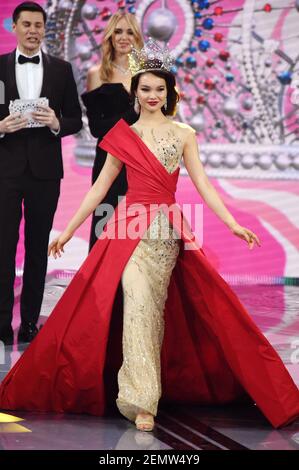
(179, 428)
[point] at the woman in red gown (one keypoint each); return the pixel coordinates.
(174, 330)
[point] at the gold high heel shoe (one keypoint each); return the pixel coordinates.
(145, 422)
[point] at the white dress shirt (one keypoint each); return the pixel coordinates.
(29, 77)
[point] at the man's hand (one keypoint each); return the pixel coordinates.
(13, 123)
(46, 116)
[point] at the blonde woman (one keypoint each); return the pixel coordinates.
(107, 99)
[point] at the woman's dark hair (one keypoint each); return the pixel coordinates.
(28, 6)
(172, 93)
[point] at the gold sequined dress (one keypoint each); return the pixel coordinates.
(145, 282)
(212, 352)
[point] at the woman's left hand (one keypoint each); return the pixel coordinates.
(245, 234)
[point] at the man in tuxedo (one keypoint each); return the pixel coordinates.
(31, 163)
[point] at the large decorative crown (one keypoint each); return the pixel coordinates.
(151, 56)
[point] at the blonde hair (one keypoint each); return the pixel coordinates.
(106, 69)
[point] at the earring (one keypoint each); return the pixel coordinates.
(165, 105)
(136, 105)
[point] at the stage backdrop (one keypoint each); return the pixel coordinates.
(237, 71)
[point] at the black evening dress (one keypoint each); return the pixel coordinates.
(105, 105)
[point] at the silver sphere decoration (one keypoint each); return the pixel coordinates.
(230, 107)
(296, 162)
(248, 161)
(282, 161)
(215, 159)
(84, 52)
(265, 162)
(198, 122)
(232, 160)
(89, 12)
(161, 24)
(66, 5)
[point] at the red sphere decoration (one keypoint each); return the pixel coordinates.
(188, 79)
(224, 55)
(267, 8)
(201, 99)
(105, 13)
(209, 84)
(218, 11)
(209, 63)
(218, 37)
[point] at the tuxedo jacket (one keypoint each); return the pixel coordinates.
(39, 146)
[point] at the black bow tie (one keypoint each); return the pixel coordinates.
(22, 59)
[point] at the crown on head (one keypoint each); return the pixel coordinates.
(151, 56)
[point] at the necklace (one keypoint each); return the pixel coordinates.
(121, 69)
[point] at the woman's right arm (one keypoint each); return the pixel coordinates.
(92, 199)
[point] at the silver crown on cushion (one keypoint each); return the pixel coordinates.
(151, 56)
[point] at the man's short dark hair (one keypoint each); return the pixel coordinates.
(28, 6)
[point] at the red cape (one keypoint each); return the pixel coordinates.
(212, 350)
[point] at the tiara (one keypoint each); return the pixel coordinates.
(151, 56)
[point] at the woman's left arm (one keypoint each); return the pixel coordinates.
(208, 192)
